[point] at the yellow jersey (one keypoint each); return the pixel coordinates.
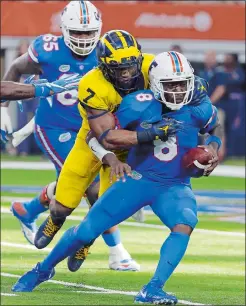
(97, 92)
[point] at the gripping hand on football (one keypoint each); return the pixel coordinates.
(44, 89)
(167, 127)
(213, 163)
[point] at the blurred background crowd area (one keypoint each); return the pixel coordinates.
(211, 34)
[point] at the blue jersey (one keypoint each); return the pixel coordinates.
(57, 61)
(162, 161)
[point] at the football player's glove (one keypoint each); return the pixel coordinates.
(44, 89)
(167, 127)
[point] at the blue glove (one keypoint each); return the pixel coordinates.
(30, 80)
(46, 89)
(167, 127)
(4, 136)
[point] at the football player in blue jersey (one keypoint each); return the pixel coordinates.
(158, 179)
(32, 89)
(57, 120)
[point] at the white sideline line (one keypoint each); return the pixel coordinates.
(102, 290)
(95, 292)
(5, 210)
(77, 285)
(8, 294)
(24, 246)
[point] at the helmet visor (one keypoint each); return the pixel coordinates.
(82, 42)
(125, 76)
(175, 93)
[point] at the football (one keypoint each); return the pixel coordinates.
(196, 160)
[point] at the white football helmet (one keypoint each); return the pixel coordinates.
(81, 16)
(172, 79)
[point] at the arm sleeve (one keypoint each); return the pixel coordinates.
(212, 121)
(205, 115)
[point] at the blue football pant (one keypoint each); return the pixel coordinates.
(55, 144)
(172, 204)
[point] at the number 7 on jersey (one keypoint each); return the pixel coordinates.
(91, 95)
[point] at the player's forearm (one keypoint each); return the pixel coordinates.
(120, 139)
(15, 91)
(11, 75)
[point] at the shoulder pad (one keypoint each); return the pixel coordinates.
(42, 48)
(212, 121)
(147, 60)
(148, 57)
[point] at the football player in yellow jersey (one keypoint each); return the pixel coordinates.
(122, 69)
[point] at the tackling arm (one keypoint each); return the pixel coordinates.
(108, 158)
(102, 123)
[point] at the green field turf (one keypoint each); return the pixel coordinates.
(7, 157)
(36, 177)
(212, 272)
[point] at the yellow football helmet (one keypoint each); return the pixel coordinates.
(120, 59)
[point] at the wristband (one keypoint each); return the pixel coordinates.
(213, 139)
(145, 136)
(98, 149)
(41, 90)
